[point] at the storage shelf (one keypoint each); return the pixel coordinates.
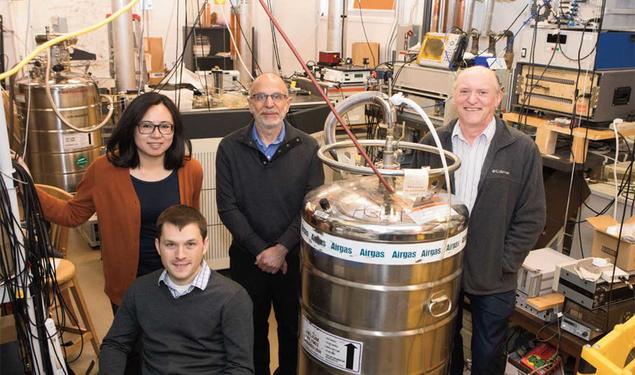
(219, 41)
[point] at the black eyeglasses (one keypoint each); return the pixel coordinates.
(277, 97)
(147, 127)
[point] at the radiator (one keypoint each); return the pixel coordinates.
(217, 255)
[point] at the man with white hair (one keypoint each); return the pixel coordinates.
(500, 181)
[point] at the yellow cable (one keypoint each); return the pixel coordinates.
(64, 37)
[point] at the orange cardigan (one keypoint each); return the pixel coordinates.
(108, 190)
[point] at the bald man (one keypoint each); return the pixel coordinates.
(500, 181)
(263, 172)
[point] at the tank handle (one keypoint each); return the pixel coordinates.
(439, 300)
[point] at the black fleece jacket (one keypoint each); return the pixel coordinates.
(259, 200)
(509, 212)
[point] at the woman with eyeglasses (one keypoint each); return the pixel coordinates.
(147, 168)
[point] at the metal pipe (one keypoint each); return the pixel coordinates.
(363, 98)
(344, 27)
(123, 46)
(449, 19)
(389, 172)
(489, 12)
(334, 26)
(434, 23)
(442, 13)
(427, 17)
(245, 25)
(254, 50)
(468, 14)
(459, 14)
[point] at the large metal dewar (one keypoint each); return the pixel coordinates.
(381, 273)
(56, 154)
(59, 129)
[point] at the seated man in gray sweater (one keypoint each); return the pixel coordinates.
(190, 319)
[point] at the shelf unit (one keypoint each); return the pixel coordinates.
(219, 42)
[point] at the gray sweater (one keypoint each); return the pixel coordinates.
(509, 212)
(204, 332)
(260, 200)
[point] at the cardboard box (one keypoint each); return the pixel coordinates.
(605, 245)
(153, 53)
(369, 50)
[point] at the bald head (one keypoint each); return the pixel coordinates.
(268, 80)
(269, 103)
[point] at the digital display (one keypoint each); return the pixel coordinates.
(557, 38)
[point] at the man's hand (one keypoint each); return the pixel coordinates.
(272, 259)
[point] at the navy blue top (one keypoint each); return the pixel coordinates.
(270, 150)
(154, 197)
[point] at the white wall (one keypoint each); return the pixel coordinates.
(301, 20)
(298, 20)
(79, 14)
(161, 21)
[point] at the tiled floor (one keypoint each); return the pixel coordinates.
(91, 279)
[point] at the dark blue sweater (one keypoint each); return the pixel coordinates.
(259, 200)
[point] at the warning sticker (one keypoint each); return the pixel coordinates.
(335, 351)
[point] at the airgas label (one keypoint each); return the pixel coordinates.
(383, 253)
(335, 351)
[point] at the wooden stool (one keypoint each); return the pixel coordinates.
(69, 288)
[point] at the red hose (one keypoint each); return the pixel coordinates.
(326, 99)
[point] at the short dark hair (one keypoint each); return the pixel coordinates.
(180, 216)
(121, 150)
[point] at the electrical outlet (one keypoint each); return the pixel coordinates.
(147, 4)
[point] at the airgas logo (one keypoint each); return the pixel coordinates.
(318, 240)
(341, 249)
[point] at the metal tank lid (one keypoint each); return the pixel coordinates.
(359, 209)
(355, 220)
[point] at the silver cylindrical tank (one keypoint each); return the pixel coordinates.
(56, 154)
(380, 279)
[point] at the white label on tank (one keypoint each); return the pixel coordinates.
(426, 214)
(76, 140)
(415, 181)
(383, 253)
(335, 351)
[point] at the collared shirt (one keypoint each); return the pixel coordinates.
(472, 156)
(200, 281)
(270, 150)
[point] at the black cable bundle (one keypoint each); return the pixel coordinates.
(27, 274)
